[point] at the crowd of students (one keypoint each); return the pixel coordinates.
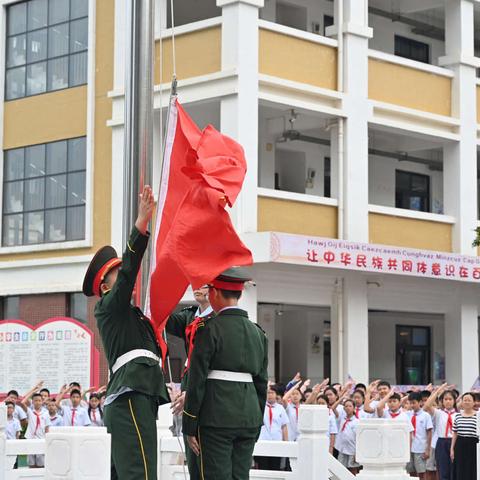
(31, 415)
(441, 421)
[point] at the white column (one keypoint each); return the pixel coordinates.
(248, 301)
(383, 449)
(312, 460)
(239, 112)
(461, 338)
(460, 158)
(350, 329)
(355, 328)
(356, 107)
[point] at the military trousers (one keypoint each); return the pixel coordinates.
(131, 421)
(226, 453)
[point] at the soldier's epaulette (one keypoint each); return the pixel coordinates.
(190, 308)
(260, 328)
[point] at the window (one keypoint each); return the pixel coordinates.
(328, 21)
(10, 308)
(46, 47)
(78, 307)
(327, 177)
(44, 193)
(412, 49)
(413, 355)
(412, 191)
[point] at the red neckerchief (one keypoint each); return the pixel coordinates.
(449, 427)
(394, 415)
(73, 415)
(347, 420)
(190, 332)
(94, 415)
(296, 411)
(414, 423)
(357, 412)
(37, 423)
(270, 413)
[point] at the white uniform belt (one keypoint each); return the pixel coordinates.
(132, 354)
(230, 376)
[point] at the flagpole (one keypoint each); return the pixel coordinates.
(138, 147)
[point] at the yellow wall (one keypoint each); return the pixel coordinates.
(45, 118)
(197, 53)
(48, 106)
(409, 87)
(409, 232)
(296, 217)
(296, 59)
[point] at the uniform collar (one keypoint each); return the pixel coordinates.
(208, 311)
(233, 310)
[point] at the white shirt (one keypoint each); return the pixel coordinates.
(79, 414)
(440, 422)
(273, 431)
(374, 405)
(399, 417)
(19, 413)
(347, 435)
(56, 421)
(37, 423)
(292, 412)
(423, 425)
(361, 413)
(332, 425)
(95, 417)
(12, 428)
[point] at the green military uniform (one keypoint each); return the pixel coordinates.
(137, 388)
(177, 325)
(226, 415)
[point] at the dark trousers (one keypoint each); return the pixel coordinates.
(192, 461)
(465, 462)
(268, 463)
(226, 453)
(131, 421)
(442, 457)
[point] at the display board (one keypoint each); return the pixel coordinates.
(58, 351)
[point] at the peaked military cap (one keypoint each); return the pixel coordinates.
(103, 261)
(233, 278)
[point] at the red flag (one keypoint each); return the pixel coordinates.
(195, 239)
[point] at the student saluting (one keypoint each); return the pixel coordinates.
(136, 387)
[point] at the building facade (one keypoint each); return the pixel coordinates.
(359, 121)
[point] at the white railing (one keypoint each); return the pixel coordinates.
(80, 453)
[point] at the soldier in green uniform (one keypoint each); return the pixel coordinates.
(136, 387)
(184, 325)
(227, 384)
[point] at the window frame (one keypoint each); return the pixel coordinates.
(428, 195)
(25, 178)
(90, 130)
(6, 36)
(427, 349)
(412, 41)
